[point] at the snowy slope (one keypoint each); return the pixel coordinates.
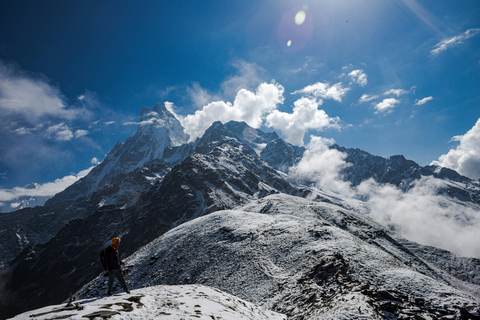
(158, 130)
(165, 302)
(305, 259)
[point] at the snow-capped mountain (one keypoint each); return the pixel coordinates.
(403, 173)
(309, 260)
(157, 131)
(156, 182)
(22, 203)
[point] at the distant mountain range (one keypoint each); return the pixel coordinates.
(224, 212)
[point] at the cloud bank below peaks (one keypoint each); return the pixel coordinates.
(421, 213)
(47, 189)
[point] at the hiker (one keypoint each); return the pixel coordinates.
(112, 265)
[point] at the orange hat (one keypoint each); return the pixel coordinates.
(115, 241)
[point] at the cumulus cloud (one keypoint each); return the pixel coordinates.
(454, 41)
(248, 106)
(30, 97)
(323, 90)
(421, 214)
(42, 190)
(306, 115)
(397, 92)
(386, 105)
(260, 107)
(423, 101)
(465, 158)
(322, 165)
(359, 77)
(367, 98)
(80, 133)
(62, 132)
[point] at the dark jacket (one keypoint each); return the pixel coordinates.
(111, 259)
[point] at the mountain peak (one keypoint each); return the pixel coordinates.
(158, 111)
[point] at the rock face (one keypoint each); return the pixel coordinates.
(157, 181)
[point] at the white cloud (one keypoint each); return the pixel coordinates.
(95, 161)
(42, 190)
(80, 133)
(397, 92)
(423, 101)
(367, 98)
(450, 42)
(322, 165)
(421, 214)
(465, 158)
(61, 132)
(248, 106)
(23, 131)
(30, 97)
(359, 76)
(248, 76)
(324, 91)
(305, 116)
(199, 96)
(386, 105)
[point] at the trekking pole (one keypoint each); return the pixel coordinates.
(126, 277)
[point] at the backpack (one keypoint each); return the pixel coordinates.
(102, 259)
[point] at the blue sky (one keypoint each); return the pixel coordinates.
(388, 77)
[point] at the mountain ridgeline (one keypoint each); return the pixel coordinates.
(222, 211)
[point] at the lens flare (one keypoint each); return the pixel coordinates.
(300, 17)
(249, 134)
(295, 29)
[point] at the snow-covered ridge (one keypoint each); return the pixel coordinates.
(306, 259)
(165, 302)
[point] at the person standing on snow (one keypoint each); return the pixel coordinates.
(113, 266)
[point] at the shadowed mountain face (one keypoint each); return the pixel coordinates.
(157, 181)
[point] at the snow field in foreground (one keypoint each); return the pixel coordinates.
(165, 302)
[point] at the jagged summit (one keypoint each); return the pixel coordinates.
(157, 131)
(159, 117)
